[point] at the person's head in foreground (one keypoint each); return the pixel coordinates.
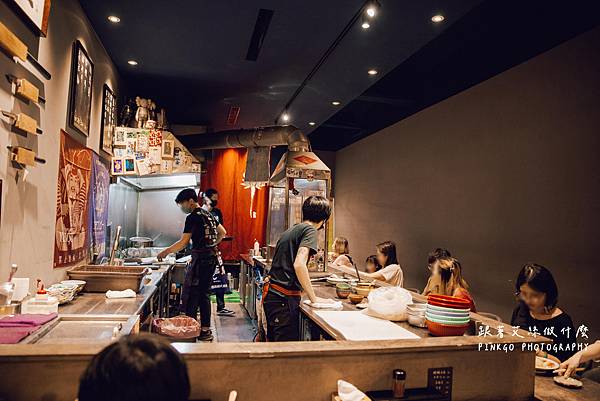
(450, 272)
(316, 209)
(142, 367)
(187, 200)
(536, 288)
(386, 254)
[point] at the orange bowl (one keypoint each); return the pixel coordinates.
(448, 301)
(444, 330)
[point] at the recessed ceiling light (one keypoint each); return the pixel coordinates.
(438, 18)
(132, 62)
(372, 8)
(372, 71)
(114, 19)
(311, 123)
(285, 117)
(371, 11)
(365, 25)
(335, 103)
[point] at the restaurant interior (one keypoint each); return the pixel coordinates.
(461, 135)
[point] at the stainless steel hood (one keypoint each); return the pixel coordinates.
(159, 182)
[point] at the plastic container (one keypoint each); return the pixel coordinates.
(444, 330)
(37, 306)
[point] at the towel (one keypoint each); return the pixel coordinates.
(121, 294)
(33, 320)
(12, 335)
(348, 392)
(333, 305)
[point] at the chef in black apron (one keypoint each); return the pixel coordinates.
(205, 233)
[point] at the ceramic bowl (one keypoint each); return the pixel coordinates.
(444, 330)
(356, 298)
(79, 283)
(443, 313)
(343, 293)
(448, 301)
(418, 321)
(444, 309)
(447, 320)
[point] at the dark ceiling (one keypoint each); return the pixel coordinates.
(192, 56)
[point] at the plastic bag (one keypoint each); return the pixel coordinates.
(389, 303)
(181, 327)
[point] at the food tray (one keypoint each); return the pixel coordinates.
(104, 278)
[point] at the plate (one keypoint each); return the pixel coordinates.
(362, 305)
(568, 382)
(545, 364)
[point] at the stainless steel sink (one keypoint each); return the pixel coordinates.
(83, 329)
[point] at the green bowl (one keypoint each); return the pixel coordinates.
(443, 309)
(447, 320)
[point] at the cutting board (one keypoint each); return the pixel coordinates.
(356, 326)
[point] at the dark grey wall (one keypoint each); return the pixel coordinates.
(503, 173)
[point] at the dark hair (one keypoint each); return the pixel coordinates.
(316, 209)
(210, 192)
(437, 253)
(388, 248)
(540, 279)
(142, 367)
(186, 194)
(373, 259)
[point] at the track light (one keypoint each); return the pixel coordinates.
(285, 117)
(372, 8)
(365, 23)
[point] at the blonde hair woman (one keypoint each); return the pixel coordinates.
(448, 272)
(341, 252)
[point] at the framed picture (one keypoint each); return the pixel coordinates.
(109, 119)
(119, 152)
(116, 166)
(119, 139)
(82, 72)
(155, 154)
(168, 149)
(143, 168)
(166, 167)
(129, 166)
(35, 12)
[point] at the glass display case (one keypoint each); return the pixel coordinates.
(297, 176)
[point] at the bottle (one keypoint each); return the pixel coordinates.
(399, 377)
(256, 248)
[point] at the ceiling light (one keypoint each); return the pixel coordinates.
(311, 123)
(365, 24)
(437, 18)
(285, 117)
(132, 62)
(114, 19)
(372, 8)
(335, 103)
(372, 72)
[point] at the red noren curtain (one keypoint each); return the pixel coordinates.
(243, 221)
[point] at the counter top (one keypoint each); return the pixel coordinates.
(547, 390)
(96, 303)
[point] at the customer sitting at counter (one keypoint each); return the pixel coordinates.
(447, 272)
(205, 233)
(391, 272)
(341, 253)
(372, 264)
(434, 283)
(538, 309)
(288, 275)
(143, 367)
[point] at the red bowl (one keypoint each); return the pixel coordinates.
(444, 330)
(448, 301)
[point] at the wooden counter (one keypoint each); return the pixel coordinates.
(547, 390)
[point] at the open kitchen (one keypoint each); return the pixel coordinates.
(346, 200)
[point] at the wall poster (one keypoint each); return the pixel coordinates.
(98, 208)
(82, 73)
(71, 233)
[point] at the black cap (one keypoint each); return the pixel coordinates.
(399, 374)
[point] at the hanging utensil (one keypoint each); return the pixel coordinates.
(357, 273)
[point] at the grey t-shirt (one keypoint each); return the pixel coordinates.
(282, 269)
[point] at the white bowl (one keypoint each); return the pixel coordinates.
(418, 321)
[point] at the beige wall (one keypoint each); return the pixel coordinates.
(28, 208)
(503, 173)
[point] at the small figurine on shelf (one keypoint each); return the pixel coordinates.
(152, 108)
(127, 113)
(162, 119)
(141, 114)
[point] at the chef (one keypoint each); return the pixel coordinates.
(205, 233)
(288, 275)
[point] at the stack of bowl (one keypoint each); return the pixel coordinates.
(63, 292)
(416, 314)
(446, 315)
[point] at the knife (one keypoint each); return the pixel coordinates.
(23, 122)
(26, 89)
(16, 48)
(24, 156)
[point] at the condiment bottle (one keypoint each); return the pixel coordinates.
(399, 377)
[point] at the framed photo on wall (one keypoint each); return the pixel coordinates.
(82, 73)
(116, 166)
(109, 119)
(129, 166)
(35, 13)
(168, 149)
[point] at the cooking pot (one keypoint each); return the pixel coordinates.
(140, 242)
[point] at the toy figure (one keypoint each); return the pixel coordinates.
(141, 114)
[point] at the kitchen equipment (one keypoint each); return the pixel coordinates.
(104, 278)
(442, 313)
(141, 242)
(17, 49)
(568, 382)
(451, 321)
(64, 293)
(357, 273)
(84, 329)
(447, 310)
(448, 301)
(6, 293)
(26, 89)
(13, 270)
(444, 330)
(79, 283)
(343, 290)
(545, 365)
(115, 246)
(14, 308)
(356, 298)
(417, 320)
(40, 306)
(363, 289)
